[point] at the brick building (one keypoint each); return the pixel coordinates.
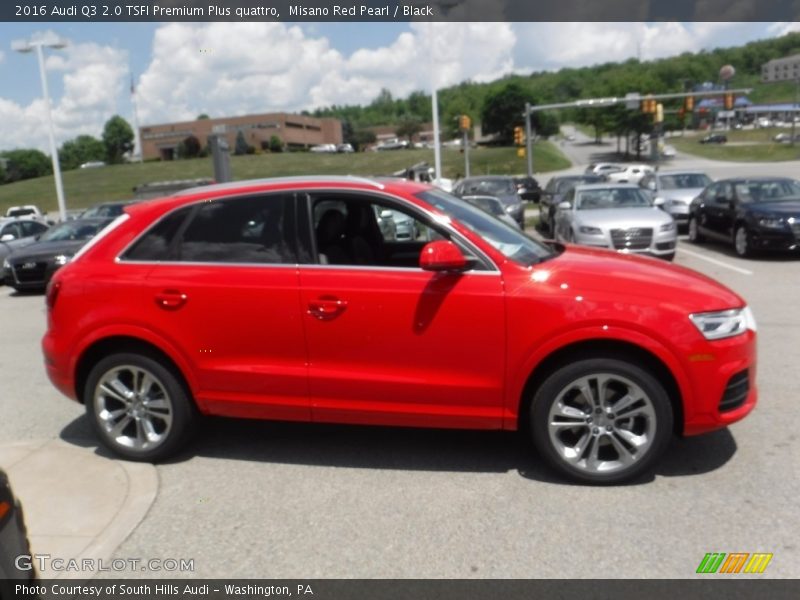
(296, 132)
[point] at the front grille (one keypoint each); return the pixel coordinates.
(635, 238)
(735, 392)
(29, 272)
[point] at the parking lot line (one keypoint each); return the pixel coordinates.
(715, 261)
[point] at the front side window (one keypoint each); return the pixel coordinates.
(30, 228)
(511, 242)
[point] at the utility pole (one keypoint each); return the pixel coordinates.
(528, 139)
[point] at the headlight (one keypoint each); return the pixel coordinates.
(725, 323)
(771, 222)
(676, 203)
(61, 259)
(511, 208)
(590, 230)
(667, 226)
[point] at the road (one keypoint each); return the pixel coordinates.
(253, 499)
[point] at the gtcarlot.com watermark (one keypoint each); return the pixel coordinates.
(47, 564)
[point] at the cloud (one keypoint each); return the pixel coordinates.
(235, 68)
(93, 78)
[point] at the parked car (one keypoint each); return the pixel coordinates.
(629, 174)
(106, 210)
(323, 149)
(602, 168)
(759, 213)
(501, 187)
(528, 188)
(616, 216)
(553, 194)
(676, 190)
(93, 164)
(492, 206)
(13, 540)
(714, 138)
(393, 144)
(589, 352)
(31, 268)
(29, 211)
(345, 148)
(16, 234)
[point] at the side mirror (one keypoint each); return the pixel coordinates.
(443, 255)
(565, 205)
(658, 202)
(7, 237)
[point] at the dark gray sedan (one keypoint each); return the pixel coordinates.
(502, 187)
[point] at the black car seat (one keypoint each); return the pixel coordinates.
(330, 239)
(364, 239)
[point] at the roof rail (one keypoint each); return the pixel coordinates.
(279, 180)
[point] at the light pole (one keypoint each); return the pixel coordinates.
(25, 47)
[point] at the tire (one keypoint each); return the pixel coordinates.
(602, 447)
(742, 244)
(694, 232)
(120, 421)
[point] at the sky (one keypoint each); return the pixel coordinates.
(182, 70)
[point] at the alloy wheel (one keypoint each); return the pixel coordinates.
(602, 423)
(741, 242)
(133, 408)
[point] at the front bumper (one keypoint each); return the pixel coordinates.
(723, 381)
(772, 239)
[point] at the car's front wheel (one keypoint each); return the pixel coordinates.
(138, 407)
(600, 420)
(741, 242)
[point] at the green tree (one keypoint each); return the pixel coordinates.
(362, 138)
(26, 164)
(117, 139)
(190, 148)
(240, 147)
(275, 144)
(203, 117)
(84, 148)
(409, 126)
(502, 111)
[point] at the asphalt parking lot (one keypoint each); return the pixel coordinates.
(257, 499)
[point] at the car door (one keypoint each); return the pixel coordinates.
(391, 343)
(702, 207)
(226, 293)
(719, 210)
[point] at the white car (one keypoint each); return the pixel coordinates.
(323, 149)
(629, 174)
(619, 217)
(602, 168)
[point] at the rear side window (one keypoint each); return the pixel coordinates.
(157, 243)
(240, 230)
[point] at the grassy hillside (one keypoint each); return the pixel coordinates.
(84, 187)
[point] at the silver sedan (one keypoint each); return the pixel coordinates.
(619, 217)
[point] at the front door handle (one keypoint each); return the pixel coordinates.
(326, 308)
(171, 299)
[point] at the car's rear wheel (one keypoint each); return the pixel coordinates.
(138, 407)
(600, 420)
(694, 233)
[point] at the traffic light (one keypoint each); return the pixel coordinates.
(649, 105)
(688, 104)
(464, 123)
(659, 116)
(519, 136)
(728, 101)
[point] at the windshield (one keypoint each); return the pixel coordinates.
(72, 231)
(768, 191)
(567, 184)
(611, 198)
(511, 242)
(490, 205)
(490, 187)
(103, 210)
(682, 181)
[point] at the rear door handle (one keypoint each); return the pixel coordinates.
(171, 299)
(326, 308)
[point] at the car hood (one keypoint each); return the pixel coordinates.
(622, 217)
(604, 275)
(786, 208)
(685, 194)
(44, 250)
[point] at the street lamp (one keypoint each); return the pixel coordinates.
(24, 47)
